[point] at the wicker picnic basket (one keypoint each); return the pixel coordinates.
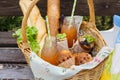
(88, 27)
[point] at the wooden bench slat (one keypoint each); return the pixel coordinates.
(9, 7)
(11, 55)
(7, 41)
(106, 7)
(15, 72)
(6, 34)
(7, 38)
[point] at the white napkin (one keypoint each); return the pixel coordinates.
(42, 70)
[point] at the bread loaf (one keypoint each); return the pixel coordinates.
(35, 19)
(53, 12)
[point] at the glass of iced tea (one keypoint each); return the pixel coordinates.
(49, 51)
(70, 29)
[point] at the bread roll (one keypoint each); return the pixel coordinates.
(53, 12)
(64, 55)
(82, 58)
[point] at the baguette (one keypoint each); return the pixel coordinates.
(53, 12)
(35, 19)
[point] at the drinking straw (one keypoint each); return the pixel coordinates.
(48, 28)
(73, 10)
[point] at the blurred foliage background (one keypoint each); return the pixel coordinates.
(11, 23)
(102, 22)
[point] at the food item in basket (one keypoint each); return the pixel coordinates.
(35, 19)
(87, 42)
(53, 12)
(65, 59)
(31, 33)
(64, 55)
(82, 58)
(68, 63)
(49, 51)
(61, 37)
(62, 43)
(70, 30)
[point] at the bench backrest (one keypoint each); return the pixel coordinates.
(102, 7)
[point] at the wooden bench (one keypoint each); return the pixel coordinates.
(12, 62)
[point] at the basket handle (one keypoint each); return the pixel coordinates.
(91, 11)
(24, 21)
